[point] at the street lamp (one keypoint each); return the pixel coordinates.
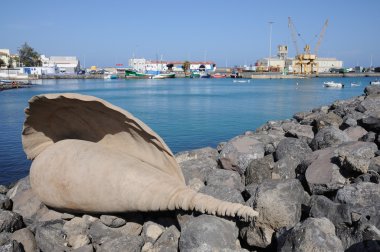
(270, 43)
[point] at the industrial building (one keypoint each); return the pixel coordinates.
(65, 64)
(282, 63)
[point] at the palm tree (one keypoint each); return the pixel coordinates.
(186, 67)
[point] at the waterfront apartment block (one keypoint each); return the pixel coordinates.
(150, 66)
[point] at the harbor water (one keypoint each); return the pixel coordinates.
(186, 113)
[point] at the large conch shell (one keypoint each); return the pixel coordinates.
(91, 156)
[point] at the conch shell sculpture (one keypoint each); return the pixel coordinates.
(91, 156)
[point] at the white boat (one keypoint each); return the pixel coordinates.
(354, 84)
(332, 84)
(375, 82)
(242, 81)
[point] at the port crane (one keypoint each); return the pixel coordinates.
(305, 62)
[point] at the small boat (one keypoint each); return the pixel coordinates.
(164, 76)
(241, 81)
(332, 84)
(110, 76)
(354, 84)
(132, 74)
(375, 82)
(218, 76)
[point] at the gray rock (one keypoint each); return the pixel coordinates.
(372, 90)
(299, 116)
(356, 132)
(362, 198)
(314, 234)
(86, 248)
(202, 153)
(76, 231)
(293, 148)
(240, 151)
(112, 221)
(285, 168)
(5, 237)
(369, 137)
(329, 119)
(11, 246)
(51, 237)
(5, 202)
(126, 243)
(67, 216)
(329, 137)
(26, 203)
(3, 189)
(259, 170)
(374, 164)
(21, 185)
(355, 156)
(371, 121)
(320, 206)
(346, 107)
(208, 230)
(349, 122)
(322, 175)
(10, 221)
(257, 235)
(225, 178)
(279, 203)
(100, 233)
(168, 241)
(370, 176)
(302, 132)
(152, 231)
(223, 193)
(370, 104)
(26, 238)
(197, 168)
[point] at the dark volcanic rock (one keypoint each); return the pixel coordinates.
(302, 132)
(51, 237)
(372, 120)
(314, 234)
(112, 221)
(329, 137)
(5, 202)
(208, 231)
(322, 175)
(11, 246)
(329, 119)
(223, 193)
(355, 156)
(126, 243)
(168, 241)
(240, 151)
(259, 170)
(372, 90)
(10, 221)
(225, 178)
(292, 147)
(362, 198)
(320, 206)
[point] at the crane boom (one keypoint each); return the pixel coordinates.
(294, 34)
(320, 37)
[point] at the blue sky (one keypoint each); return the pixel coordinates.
(104, 33)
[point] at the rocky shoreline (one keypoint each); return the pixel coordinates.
(314, 179)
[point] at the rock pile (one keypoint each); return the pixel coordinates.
(314, 179)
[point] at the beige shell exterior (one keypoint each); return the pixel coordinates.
(91, 156)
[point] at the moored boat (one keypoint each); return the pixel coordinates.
(354, 84)
(375, 82)
(132, 74)
(332, 84)
(218, 76)
(164, 76)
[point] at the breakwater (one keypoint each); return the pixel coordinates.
(313, 178)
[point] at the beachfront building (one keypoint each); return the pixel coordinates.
(65, 64)
(7, 58)
(152, 66)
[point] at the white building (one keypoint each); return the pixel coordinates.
(6, 56)
(65, 64)
(149, 66)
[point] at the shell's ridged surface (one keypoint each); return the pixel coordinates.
(91, 156)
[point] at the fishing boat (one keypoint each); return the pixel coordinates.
(354, 84)
(375, 82)
(332, 84)
(219, 76)
(133, 74)
(164, 76)
(110, 76)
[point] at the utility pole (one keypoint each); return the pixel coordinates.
(270, 43)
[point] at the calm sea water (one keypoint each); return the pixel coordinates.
(186, 113)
